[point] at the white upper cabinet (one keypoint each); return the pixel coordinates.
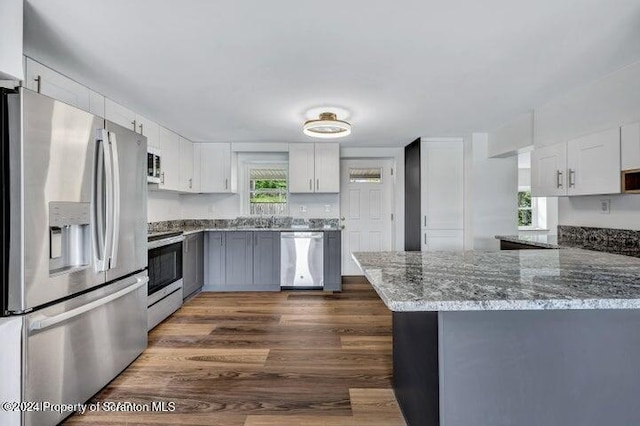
(120, 115)
(442, 195)
(216, 168)
(548, 171)
(630, 146)
(11, 34)
(96, 103)
(170, 157)
(593, 163)
(301, 167)
(186, 165)
(587, 165)
(150, 129)
(327, 167)
(55, 85)
(197, 167)
(314, 168)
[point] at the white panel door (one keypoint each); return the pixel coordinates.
(630, 146)
(215, 167)
(170, 151)
(442, 184)
(301, 167)
(593, 163)
(55, 85)
(549, 171)
(327, 167)
(186, 165)
(150, 129)
(366, 209)
(120, 115)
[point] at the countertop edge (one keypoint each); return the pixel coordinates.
(519, 240)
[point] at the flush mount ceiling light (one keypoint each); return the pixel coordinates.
(326, 127)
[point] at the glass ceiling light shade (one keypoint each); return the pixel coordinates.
(326, 127)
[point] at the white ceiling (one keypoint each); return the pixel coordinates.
(249, 70)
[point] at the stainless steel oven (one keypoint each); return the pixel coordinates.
(165, 276)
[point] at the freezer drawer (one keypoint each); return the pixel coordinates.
(75, 348)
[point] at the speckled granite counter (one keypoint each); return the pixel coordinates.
(505, 280)
(193, 230)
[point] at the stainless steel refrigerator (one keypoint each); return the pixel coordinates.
(74, 253)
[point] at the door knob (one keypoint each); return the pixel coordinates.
(342, 227)
(342, 218)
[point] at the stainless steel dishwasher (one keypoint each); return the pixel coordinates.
(301, 260)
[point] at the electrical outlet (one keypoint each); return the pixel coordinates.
(605, 206)
(303, 209)
(327, 208)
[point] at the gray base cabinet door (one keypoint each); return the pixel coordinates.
(215, 262)
(189, 265)
(239, 260)
(200, 259)
(266, 260)
(332, 261)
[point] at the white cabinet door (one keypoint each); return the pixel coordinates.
(630, 146)
(120, 115)
(593, 163)
(442, 184)
(186, 165)
(301, 167)
(170, 151)
(442, 240)
(215, 167)
(327, 167)
(50, 83)
(150, 129)
(197, 167)
(549, 171)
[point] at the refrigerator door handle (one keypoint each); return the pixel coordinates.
(44, 322)
(109, 199)
(98, 201)
(115, 235)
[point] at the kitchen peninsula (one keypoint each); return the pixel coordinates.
(525, 337)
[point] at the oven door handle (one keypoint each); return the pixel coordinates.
(43, 322)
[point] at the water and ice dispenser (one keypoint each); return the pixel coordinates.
(69, 237)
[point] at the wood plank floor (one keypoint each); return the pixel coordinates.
(264, 359)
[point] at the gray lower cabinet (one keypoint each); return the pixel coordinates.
(215, 262)
(239, 260)
(266, 260)
(192, 263)
(250, 261)
(332, 261)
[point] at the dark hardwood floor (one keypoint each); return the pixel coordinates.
(264, 359)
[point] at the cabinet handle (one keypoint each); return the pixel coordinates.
(190, 183)
(162, 178)
(425, 221)
(317, 184)
(226, 184)
(38, 80)
(572, 178)
(141, 127)
(310, 184)
(558, 179)
(135, 125)
(425, 239)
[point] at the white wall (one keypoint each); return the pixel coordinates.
(163, 205)
(612, 101)
(491, 195)
(11, 20)
(513, 137)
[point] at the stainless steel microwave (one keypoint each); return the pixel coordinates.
(154, 165)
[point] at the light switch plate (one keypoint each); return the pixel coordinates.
(605, 206)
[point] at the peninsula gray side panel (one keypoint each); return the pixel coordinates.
(332, 261)
(531, 368)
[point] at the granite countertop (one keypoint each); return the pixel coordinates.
(536, 240)
(188, 230)
(505, 280)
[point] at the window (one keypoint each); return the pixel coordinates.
(525, 209)
(268, 190)
(365, 175)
